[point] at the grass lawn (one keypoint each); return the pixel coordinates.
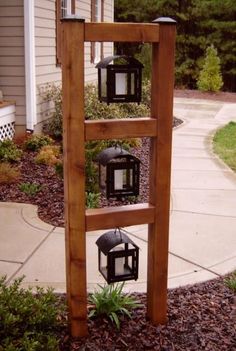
(224, 144)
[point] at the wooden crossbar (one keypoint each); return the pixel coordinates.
(122, 216)
(122, 32)
(120, 129)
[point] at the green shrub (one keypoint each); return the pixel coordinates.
(30, 189)
(48, 155)
(36, 141)
(231, 282)
(92, 200)
(8, 173)
(59, 169)
(210, 78)
(53, 126)
(28, 321)
(110, 301)
(9, 152)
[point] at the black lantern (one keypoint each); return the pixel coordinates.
(118, 257)
(118, 173)
(120, 81)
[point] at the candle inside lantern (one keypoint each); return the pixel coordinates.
(121, 84)
(119, 262)
(119, 179)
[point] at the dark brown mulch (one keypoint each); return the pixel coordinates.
(200, 317)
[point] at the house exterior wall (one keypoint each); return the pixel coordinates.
(12, 62)
(12, 57)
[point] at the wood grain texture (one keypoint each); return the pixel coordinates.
(121, 216)
(160, 172)
(120, 129)
(122, 32)
(74, 173)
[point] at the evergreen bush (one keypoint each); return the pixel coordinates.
(210, 78)
(28, 321)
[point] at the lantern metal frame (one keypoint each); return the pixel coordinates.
(110, 158)
(106, 244)
(132, 68)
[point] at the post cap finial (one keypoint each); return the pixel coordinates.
(164, 20)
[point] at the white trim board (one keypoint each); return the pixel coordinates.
(30, 75)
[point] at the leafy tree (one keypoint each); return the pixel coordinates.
(200, 23)
(210, 78)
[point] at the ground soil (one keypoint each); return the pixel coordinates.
(200, 317)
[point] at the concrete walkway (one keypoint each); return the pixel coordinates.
(203, 216)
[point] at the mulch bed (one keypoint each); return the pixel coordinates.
(200, 317)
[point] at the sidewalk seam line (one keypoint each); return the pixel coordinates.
(30, 255)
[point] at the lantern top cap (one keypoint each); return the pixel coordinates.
(110, 153)
(129, 60)
(111, 239)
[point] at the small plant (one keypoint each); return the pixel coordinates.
(48, 155)
(9, 152)
(28, 321)
(35, 142)
(210, 78)
(8, 173)
(30, 189)
(112, 302)
(59, 169)
(92, 200)
(231, 282)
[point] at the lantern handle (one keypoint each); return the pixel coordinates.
(119, 230)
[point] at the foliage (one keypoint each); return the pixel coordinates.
(231, 282)
(200, 23)
(30, 189)
(48, 155)
(53, 126)
(59, 168)
(92, 200)
(110, 301)
(224, 144)
(8, 173)
(9, 152)
(28, 321)
(210, 78)
(36, 141)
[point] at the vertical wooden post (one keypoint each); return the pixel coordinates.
(160, 169)
(74, 171)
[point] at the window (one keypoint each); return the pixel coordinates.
(97, 15)
(63, 8)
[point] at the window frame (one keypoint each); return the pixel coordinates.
(69, 9)
(97, 15)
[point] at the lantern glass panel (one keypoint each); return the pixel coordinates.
(123, 179)
(103, 176)
(103, 263)
(121, 82)
(103, 82)
(132, 86)
(119, 262)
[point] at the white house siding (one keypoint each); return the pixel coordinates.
(45, 53)
(12, 63)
